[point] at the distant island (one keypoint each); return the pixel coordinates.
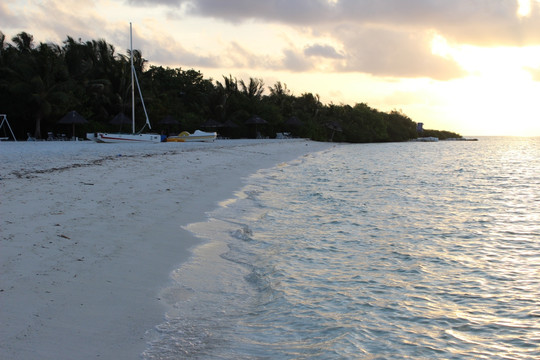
(39, 84)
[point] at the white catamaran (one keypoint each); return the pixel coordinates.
(133, 137)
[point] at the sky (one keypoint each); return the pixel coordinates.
(469, 66)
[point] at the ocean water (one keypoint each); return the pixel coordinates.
(370, 251)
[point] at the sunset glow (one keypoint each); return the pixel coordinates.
(468, 67)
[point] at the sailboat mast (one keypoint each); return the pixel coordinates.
(132, 80)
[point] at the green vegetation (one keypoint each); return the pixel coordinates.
(40, 84)
(441, 134)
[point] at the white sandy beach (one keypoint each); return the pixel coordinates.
(90, 233)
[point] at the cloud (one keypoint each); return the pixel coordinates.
(56, 28)
(189, 60)
(390, 38)
(285, 11)
(386, 52)
(479, 22)
(379, 52)
(325, 51)
(7, 16)
(241, 58)
(383, 37)
(171, 3)
(167, 52)
(295, 61)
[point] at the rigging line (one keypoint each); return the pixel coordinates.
(142, 100)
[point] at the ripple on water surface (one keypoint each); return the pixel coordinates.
(379, 251)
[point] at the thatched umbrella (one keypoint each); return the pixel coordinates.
(120, 119)
(256, 120)
(168, 120)
(73, 118)
(228, 127)
(293, 121)
(211, 123)
(230, 124)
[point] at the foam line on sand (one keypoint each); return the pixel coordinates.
(90, 233)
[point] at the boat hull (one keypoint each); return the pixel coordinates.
(198, 135)
(200, 138)
(123, 138)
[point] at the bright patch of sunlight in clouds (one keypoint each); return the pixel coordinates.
(467, 66)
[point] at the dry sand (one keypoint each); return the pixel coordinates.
(90, 233)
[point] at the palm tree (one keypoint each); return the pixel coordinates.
(24, 42)
(48, 84)
(254, 89)
(281, 97)
(38, 75)
(228, 91)
(2, 46)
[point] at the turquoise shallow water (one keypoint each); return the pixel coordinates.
(375, 251)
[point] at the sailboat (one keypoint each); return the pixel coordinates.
(133, 137)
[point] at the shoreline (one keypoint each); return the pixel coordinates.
(91, 232)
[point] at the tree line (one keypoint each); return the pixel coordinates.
(41, 83)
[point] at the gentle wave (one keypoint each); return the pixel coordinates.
(378, 251)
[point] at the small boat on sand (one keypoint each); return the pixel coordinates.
(198, 135)
(132, 137)
(123, 138)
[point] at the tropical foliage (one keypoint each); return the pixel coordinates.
(41, 83)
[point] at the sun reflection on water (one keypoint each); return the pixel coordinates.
(410, 252)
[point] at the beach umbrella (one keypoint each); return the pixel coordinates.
(230, 124)
(120, 119)
(73, 118)
(228, 127)
(334, 126)
(255, 120)
(169, 120)
(211, 123)
(293, 121)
